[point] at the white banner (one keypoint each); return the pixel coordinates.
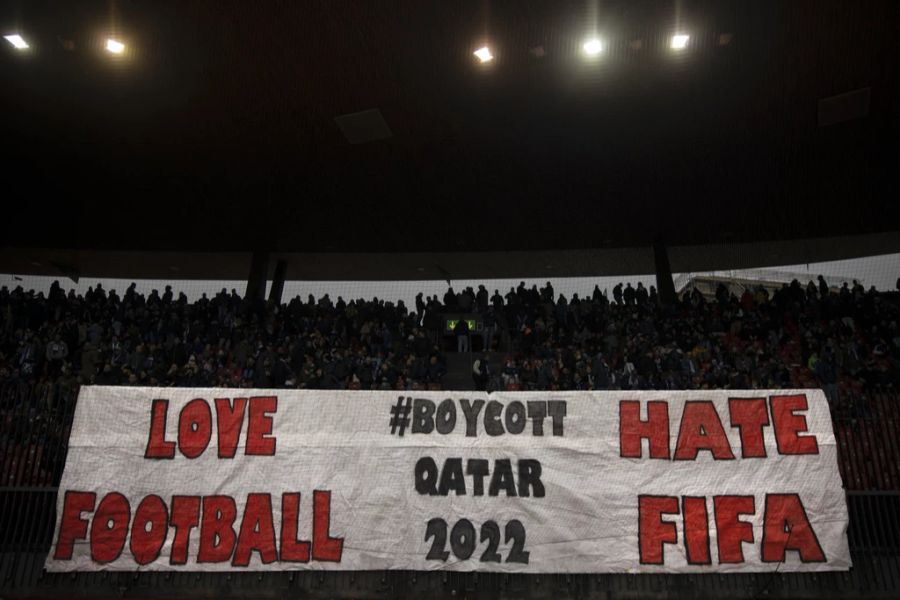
(550, 482)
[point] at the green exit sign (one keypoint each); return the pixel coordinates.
(451, 324)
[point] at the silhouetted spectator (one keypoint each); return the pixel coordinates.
(481, 373)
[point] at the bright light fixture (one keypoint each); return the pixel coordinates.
(593, 47)
(114, 46)
(680, 41)
(17, 41)
(484, 54)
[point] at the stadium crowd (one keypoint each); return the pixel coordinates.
(160, 340)
(801, 336)
(845, 341)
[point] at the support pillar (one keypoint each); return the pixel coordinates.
(665, 286)
(277, 288)
(256, 280)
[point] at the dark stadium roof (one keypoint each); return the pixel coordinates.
(225, 125)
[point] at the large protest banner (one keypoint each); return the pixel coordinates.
(586, 482)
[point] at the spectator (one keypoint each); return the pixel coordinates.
(629, 295)
(450, 299)
(481, 373)
(57, 351)
(510, 374)
(489, 322)
(823, 287)
(461, 331)
(798, 337)
(420, 308)
(641, 295)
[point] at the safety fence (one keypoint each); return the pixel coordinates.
(35, 421)
(868, 437)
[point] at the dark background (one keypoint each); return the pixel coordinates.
(216, 130)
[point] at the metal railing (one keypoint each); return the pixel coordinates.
(34, 428)
(868, 437)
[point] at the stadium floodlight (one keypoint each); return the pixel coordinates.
(115, 46)
(484, 54)
(680, 41)
(17, 41)
(593, 47)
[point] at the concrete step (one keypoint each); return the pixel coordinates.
(459, 371)
(459, 368)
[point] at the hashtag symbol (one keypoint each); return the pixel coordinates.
(400, 416)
